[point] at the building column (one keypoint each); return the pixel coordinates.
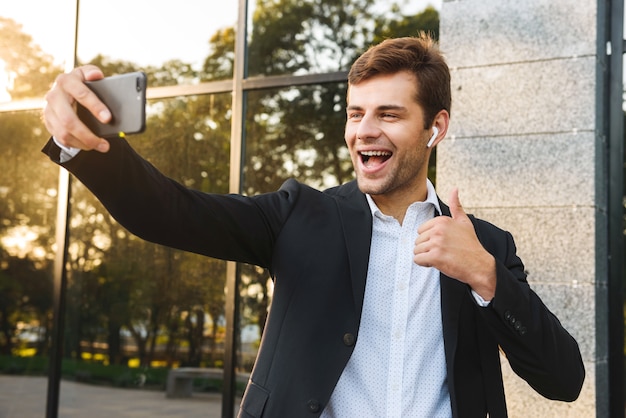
(523, 150)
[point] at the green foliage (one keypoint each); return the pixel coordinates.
(94, 373)
(221, 61)
(36, 365)
(88, 372)
(33, 70)
(114, 375)
(27, 210)
(427, 21)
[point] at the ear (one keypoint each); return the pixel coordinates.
(441, 122)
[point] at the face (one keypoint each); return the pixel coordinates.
(386, 137)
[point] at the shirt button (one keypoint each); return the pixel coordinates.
(349, 339)
(313, 405)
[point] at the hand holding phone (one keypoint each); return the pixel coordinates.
(125, 96)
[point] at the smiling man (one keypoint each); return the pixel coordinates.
(386, 135)
(407, 313)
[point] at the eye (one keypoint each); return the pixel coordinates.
(389, 116)
(355, 115)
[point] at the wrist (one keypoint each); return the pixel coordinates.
(484, 283)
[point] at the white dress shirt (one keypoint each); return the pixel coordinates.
(398, 367)
(67, 153)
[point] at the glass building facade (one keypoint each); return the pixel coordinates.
(241, 96)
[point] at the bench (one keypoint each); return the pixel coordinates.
(180, 381)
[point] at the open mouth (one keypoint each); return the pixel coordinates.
(374, 158)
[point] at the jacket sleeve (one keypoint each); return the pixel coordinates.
(535, 343)
(161, 210)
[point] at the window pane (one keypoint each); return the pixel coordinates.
(292, 132)
(307, 36)
(296, 132)
(255, 290)
(168, 40)
(28, 193)
(33, 47)
(136, 309)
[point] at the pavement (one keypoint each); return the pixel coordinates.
(25, 397)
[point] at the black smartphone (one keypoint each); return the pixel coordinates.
(125, 96)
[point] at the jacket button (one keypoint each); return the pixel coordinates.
(313, 405)
(349, 339)
(508, 315)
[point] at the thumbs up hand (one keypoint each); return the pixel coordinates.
(451, 246)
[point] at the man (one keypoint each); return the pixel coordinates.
(381, 308)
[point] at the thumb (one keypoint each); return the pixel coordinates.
(456, 210)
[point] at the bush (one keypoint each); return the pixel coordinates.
(35, 365)
(88, 372)
(115, 375)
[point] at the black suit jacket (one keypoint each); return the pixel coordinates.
(316, 247)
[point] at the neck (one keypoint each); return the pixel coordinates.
(396, 203)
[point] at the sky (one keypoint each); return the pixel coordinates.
(135, 25)
(131, 23)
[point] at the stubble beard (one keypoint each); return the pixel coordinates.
(401, 177)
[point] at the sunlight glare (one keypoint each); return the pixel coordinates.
(19, 240)
(6, 83)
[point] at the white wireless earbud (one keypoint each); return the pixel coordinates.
(432, 138)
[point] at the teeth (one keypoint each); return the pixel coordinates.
(375, 153)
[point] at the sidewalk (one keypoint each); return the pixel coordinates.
(25, 397)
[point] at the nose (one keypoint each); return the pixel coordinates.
(368, 128)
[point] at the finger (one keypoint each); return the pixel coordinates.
(62, 123)
(426, 226)
(456, 210)
(59, 113)
(90, 72)
(422, 255)
(421, 261)
(420, 247)
(74, 85)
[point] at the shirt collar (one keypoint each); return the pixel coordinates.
(431, 197)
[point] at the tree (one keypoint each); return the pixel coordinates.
(27, 211)
(390, 26)
(31, 71)
(25, 290)
(28, 189)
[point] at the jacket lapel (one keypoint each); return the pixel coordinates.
(356, 220)
(453, 293)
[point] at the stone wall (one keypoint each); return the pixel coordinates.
(522, 150)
